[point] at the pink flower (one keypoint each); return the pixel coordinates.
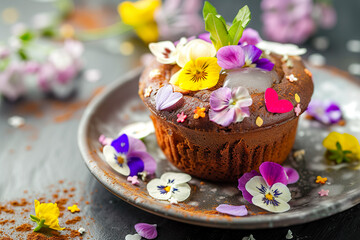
(12, 81)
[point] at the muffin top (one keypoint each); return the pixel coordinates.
(227, 80)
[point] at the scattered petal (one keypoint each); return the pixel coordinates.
(133, 179)
(16, 121)
(321, 180)
(166, 98)
(259, 122)
(133, 237)
(232, 210)
(289, 235)
(92, 75)
(323, 193)
(74, 208)
(147, 231)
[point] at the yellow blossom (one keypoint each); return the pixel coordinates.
(140, 15)
(203, 73)
(46, 215)
(347, 142)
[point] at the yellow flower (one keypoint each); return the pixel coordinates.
(347, 142)
(140, 15)
(46, 215)
(196, 75)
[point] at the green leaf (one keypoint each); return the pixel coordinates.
(244, 15)
(40, 225)
(26, 36)
(34, 218)
(208, 8)
(218, 32)
(235, 32)
(22, 54)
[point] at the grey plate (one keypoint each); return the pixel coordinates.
(120, 105)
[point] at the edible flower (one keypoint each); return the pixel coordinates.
(193, 50)
(166, 98)
(238, 211)
(230, 57)
(141, 16)
(199, 74)
(170, 185)
(166, 52)
(128, 156)
(250, 36)
(46, 215)
(145, 230)
(342, 147)
(326, 112)
(268, 190)
(229, 105)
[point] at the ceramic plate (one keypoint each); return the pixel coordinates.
(119, 105)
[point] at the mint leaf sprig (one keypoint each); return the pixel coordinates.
(221, 34)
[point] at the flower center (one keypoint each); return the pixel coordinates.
(167, 188)
(120, 159)
(269, 197)
(248, 63)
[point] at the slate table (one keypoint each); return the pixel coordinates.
(37, 160)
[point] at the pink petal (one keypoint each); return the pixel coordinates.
(166, 98)
(273, 173)
(149, 161)
(136, 145)
(230, 57)
(232, 210)
(250, 36)
(147, 231)
(219, 99)
(242, 182)
(292, 174)
(224, 117)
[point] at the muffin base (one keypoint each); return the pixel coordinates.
(221, 156)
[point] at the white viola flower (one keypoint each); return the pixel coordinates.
(138, 130)
(165, 52)
(171, 186)
(194, 49)
(281, 49)
(274, 198)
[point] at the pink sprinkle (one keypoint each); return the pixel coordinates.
(323, 193)
(134, 180)
(105, 140)
(297, 109)
(181, 117)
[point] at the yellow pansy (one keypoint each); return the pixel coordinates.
(202, 73)
(140, 15)
(46, 215)
(347, 141)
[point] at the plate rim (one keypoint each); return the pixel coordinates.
(249, 222)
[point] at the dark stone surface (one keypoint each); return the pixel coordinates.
(46, 151)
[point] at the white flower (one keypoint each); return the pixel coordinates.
(165, 51)
(281, 49)
(138, 130)
(117, 161)
(273, 199)
(194, 49)
(171, 186)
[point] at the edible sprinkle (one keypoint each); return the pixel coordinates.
(321, 180)
(181, 117)
(81, 230)
(291, 78)
(199, 112)
(289, 235)
(299, 154)
(259, 121)
(323, 193)
(148, 91)
(308, 72)
(297, 109)
(74, 208)
(297, 98)
(133, 179)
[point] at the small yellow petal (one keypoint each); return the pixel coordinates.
(259, 121)
(138, 13)
(330, 141)
(297, 98)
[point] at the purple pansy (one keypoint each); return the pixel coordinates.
(238, 211)
(147, 231)
(235, 56)
(128, 156)
(205, 37)
(250, 36)
(166, 98)
(326, 112)
(229, 105)
(272, 173)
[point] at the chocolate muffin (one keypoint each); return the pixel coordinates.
(218, 130)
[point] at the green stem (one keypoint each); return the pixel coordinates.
(110, 31)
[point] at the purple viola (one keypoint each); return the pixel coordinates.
(235, 56)
(128, 156)
(268, 189)
(326, 112)
(229, 105)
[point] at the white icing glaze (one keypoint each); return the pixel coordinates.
(281, 49)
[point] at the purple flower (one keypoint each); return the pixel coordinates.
(238, 211)
(235, 56)
(326, 112)
(205, 37)
(166, 98)
(147, 231)
(272, 173)
(12, 81)
(250, 36)
(128, 156)
(178, 18)
(325, 15)
(288, 20)
(229, 105)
